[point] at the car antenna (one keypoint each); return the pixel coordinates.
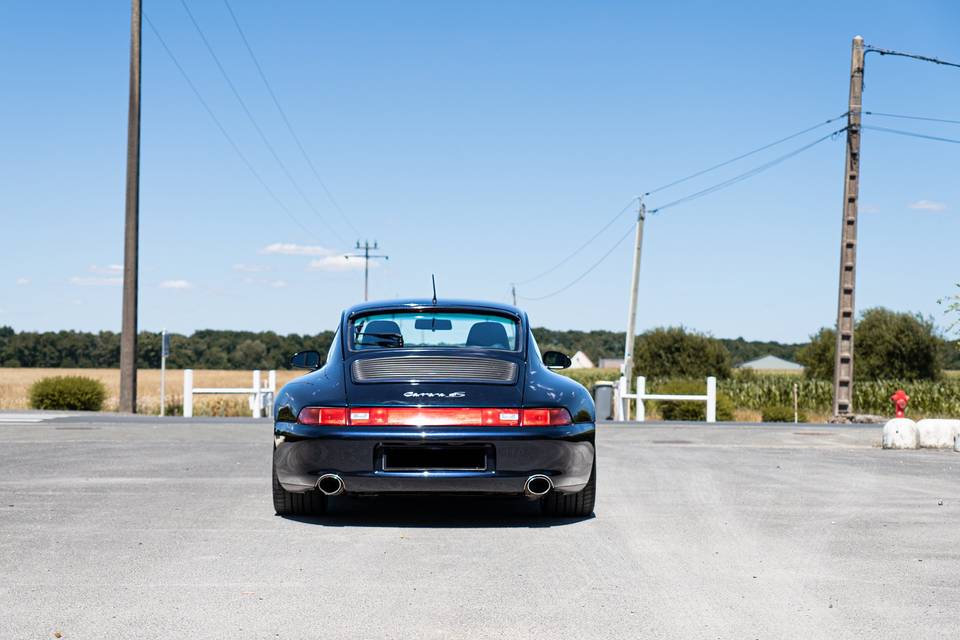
(433, 279)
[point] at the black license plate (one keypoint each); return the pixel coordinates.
(420, 458)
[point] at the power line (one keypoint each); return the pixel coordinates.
(587, 272)
(255, 124)
(891, 52)
(911, 134)
(747, 174)
(286, 121)
(580, 248)
(924, 119)
(226, 135)
(747, 154)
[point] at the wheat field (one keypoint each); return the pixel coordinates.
(15, 384)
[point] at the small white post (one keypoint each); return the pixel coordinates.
(257, 391)
(188, 393)
(271, 393)
(623, 401)
(641, 391)
(163, 371)
(796, 403)
(711, 399)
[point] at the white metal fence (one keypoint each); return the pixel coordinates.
(261, 396)
(622, 401)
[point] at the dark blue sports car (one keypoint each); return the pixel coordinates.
(434, 397)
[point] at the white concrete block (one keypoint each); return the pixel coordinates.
(900, 433)
(956, 444)
(936, 433)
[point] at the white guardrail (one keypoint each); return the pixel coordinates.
(261, 397)
(622, 401)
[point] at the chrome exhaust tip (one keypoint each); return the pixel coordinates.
(537, 485)
(330, 484)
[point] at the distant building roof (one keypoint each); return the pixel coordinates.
(580, 361)
(771, 363)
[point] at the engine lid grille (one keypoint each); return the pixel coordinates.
(434, 368)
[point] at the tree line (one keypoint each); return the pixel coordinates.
(206, 349)
(883, 337)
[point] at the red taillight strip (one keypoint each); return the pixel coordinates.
(434, 416)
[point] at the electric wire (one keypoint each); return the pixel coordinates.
(226, 135)
(585, 273)
(921, 118)
(747, 174)
(580, 248)
(286, 121)
(747, 154)
(891, 52)
(256, 125)
(911, 134)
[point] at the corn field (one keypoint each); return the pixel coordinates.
(931, 399)
(927, 399)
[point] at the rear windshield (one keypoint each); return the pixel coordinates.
(446, 329)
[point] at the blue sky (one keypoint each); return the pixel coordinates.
(483, 142)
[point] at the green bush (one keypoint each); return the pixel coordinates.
(674, 352)
(780, 413)
(73, 393)
(673, 410)
(888, 345)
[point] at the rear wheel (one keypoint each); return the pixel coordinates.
(572, 505)
(287, 503)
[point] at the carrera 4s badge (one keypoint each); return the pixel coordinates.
(452, 394)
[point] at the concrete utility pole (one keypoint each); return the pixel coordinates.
(843, 363)
(366, 262)
(632, 314)
(513, 291)
(128, 333)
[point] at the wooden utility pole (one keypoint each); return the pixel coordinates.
(128, 333)
(843, 363)
(632, 313)
(366, 255)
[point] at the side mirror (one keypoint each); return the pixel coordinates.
(556, 360)
(305, 360)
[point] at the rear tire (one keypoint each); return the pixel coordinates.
(572, 505)
(287, 503)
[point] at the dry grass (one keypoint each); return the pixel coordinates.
(15, 385)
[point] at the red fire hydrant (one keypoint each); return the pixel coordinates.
(899, 400)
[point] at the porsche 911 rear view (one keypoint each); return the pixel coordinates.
(434, 397)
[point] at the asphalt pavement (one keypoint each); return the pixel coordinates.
(120, 527)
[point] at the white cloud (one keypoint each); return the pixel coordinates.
(23, 282)
(109, 270)
(928, 205)
(337, 263)
(274, 284)
(175, 284)
(290, 249)
(251, 268)
(91, 281)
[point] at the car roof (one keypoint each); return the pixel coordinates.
(427, 303)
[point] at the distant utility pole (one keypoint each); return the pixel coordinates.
(513, 291)
(632, 314)
(128, 333)
(366, 255)
(843, 363)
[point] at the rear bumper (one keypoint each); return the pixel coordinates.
(304, 453)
